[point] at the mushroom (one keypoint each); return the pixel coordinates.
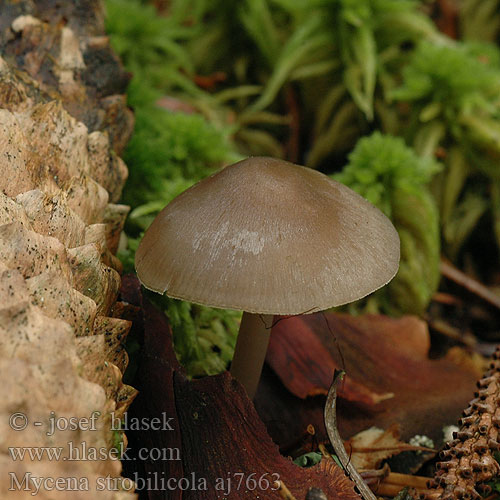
(270, 238)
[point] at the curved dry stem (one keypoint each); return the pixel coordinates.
(336, 441)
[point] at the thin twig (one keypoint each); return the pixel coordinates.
(447, 299)
(451, 332)
(470, 284)
(330, 417)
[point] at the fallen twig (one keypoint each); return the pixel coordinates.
(394, 482)
(330, 417)
(451, 332)
(470, 284)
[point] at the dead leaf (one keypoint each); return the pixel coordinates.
(386, 355)
(367, 449)
(294, 352)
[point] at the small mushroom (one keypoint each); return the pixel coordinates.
(270, 238)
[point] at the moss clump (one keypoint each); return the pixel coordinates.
(391, 176)
(170, 151)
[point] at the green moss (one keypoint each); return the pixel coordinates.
(392, 177)
(204, 337)
(381, 164)
(453, 92)
(458, 76)
(169, 150)
(308, 459)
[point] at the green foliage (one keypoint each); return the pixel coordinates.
(480, 20)
(204, 338)
(405, 494)
(450, 78)
(368, 35)
(126, 253)
(171, 148)
(274, 44)
(453, 90)
(167, 147)
(362, 28)
(308, 459)
(382, 164)
(391, 176)
(147, 43)
(313, 458)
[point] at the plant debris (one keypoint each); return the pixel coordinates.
(215, 427)
(386, 355)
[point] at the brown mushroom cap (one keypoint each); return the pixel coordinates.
(267, 236)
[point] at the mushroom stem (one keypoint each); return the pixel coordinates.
(250, 350)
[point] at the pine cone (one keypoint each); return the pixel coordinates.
(61, 349)
(468, 461)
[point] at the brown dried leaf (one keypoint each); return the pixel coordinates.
(298, 351)
(386, 355)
